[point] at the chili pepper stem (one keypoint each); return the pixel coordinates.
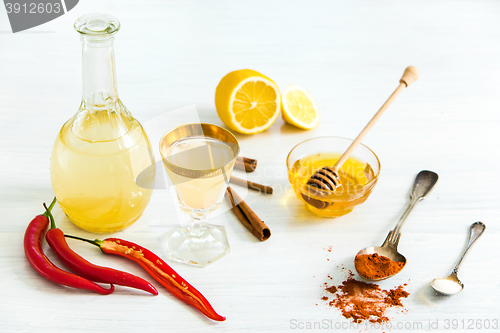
(49, 214)
(96, 242)
(47, 210)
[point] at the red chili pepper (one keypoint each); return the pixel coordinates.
(159, 270)
(55, 238)
(37, 259)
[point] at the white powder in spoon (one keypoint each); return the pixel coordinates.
(446, 286)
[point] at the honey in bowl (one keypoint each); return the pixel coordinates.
(358, 175)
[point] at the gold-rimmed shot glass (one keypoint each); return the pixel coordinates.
(199, 159)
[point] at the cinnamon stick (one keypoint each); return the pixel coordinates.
(245, 164)
(251, 185)
(247, 216)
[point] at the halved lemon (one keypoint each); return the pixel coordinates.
(247, 101)
(299, 108)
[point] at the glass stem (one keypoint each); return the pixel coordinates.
(197, 225)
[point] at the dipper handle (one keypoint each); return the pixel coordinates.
(410, 75)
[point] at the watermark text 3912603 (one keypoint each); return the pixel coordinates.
(26, 14)
(462, 324)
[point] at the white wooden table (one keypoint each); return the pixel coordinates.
(350, 56)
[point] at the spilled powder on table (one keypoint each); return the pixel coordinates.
(358, 300)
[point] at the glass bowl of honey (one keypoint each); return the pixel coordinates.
(358, 175)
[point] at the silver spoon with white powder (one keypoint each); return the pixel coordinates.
(451, 284)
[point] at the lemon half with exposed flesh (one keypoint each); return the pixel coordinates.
(299, 108)
(247, 101)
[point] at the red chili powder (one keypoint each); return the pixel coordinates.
(365, 301)
(331, 289)
(374, 266)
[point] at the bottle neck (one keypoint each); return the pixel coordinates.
(99, 76)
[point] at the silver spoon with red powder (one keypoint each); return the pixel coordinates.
(424, 182)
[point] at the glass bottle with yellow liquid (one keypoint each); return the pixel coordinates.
(102, 163)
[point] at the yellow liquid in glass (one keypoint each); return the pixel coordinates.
(354, 176)
(193, 157)
(95, 182)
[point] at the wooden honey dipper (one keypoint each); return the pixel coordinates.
(327, 178)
